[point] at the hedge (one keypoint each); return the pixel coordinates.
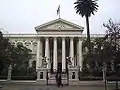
(23, 77)
(98, 78)
(20, 77)
(3, 77)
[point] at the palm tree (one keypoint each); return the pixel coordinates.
(86, 8)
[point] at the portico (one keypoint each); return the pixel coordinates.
(60, 45)
(57, 49)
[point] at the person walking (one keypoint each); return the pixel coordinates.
(59, 80)
(56, 77)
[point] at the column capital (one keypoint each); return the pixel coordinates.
(39, 38)
(71, 37)
(63, 37)
(46, 37)
(54, 38)
(80, 38)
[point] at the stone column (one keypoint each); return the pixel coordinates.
(41, 53)
(63, 54)
(55, 54)
(38, 54)
(38, 59)
(72, 50)
(80, 53)
(47, 52)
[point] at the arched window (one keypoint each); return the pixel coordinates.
(27, 43)
(19, 43)
(35, 43)
(34, 64)
(12, 43)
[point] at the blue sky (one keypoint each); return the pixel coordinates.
(21, 16)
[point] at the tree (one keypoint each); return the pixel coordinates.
(5, 53)
(32, 70)
(18, 56)
(113, 36)
(86, 8)
(101, 52)
(21, 57)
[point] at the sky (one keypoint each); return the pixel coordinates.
(22, 16)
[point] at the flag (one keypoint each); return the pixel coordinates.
(58, 10)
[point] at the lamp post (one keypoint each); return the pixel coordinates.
(79, 71)
(117, 69)
(9, 72)
(67, 62)
(104, 74)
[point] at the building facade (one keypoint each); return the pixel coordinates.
(57, 46)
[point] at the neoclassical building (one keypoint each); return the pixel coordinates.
(57, 46)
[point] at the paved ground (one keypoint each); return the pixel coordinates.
(53, 87)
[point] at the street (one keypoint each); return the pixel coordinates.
(53, 87)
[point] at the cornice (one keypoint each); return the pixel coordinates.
(46, 35)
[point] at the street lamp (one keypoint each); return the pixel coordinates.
(68, 62)
(104, 74)
(79, 71)
(9, 72)
(117, 69)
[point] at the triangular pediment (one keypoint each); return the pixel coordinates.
(59, 24)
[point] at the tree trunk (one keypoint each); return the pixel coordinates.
(88, 33)
(88, 39)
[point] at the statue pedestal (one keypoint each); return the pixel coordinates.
(73, 74)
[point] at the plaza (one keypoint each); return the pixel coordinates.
(28, 86)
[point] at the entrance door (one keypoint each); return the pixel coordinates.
(59, 67)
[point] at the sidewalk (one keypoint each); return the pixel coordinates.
(70, 83)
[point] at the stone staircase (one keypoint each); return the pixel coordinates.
(52, 78)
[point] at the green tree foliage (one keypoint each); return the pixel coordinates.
(86, 8)
(32, 70)
(21, 58)
(101, 52)
(113, 36)
(5, 53)
(18, 56)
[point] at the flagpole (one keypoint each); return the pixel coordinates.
(59, 15)
(58, 11)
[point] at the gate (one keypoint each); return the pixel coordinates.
(51, 78)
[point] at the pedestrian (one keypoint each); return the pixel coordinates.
(59, 80)
(56, 78)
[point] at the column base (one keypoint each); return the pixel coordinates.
(63, 70)
(55, 70)
(73, 73)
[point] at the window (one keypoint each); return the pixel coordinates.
(19, 43)
(27, 43)
(41, 75)
(35, 43)
(73, 75)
